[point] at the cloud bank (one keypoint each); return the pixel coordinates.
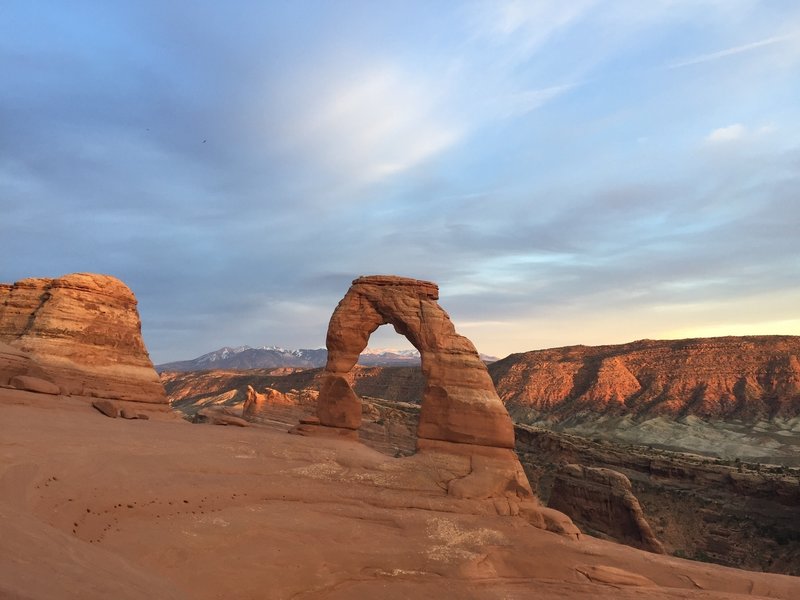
(583, 172)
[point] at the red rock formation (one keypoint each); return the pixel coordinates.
(463, 427)
(728, 377)
(14, 363)
(459, 402)
(612, 385)
(35, 384)
(259, 405)
(83, 332)
(602, 499)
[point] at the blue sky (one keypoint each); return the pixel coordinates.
(567, 172)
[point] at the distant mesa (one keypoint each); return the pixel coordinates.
(76, 335)
(256, 403)
(746, 378)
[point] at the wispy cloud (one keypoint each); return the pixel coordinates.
(525, 26)
(727, 134)
(489, 146)
(521, 103)
(770, 41)
(369, 124)
(737, 132)
(504, 18)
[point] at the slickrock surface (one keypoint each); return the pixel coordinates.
(81, 332)
(602, 501)
(745, 378)
(95, 508)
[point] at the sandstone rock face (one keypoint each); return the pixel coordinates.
(95, 509)
(746, 378)
(83, 331)
(603, 500)
(459, 402)
(257, 403)
(15, 363)
(737, 514)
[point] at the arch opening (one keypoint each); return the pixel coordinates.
(389, 384)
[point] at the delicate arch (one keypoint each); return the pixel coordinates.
(459, 402)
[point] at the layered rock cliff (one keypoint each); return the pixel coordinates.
(601, 501)
(745, 378)
(725, 511)
(81, 332)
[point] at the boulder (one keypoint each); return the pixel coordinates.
(220, 416)
(34, 384)
(108, 407)
(127, 413)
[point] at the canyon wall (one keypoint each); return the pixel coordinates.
(601, 502)
(729, 512)
(745, 378)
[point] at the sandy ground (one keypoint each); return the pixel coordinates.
(92, 507)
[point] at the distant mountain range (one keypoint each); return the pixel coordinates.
(725, 396)
(274, 357)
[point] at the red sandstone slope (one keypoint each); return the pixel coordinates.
(97, 508)
(728, 377)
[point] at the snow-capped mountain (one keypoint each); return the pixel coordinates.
(247, 357)
(386, 357)
(273, 357)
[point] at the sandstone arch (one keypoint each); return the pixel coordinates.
(459, 403)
